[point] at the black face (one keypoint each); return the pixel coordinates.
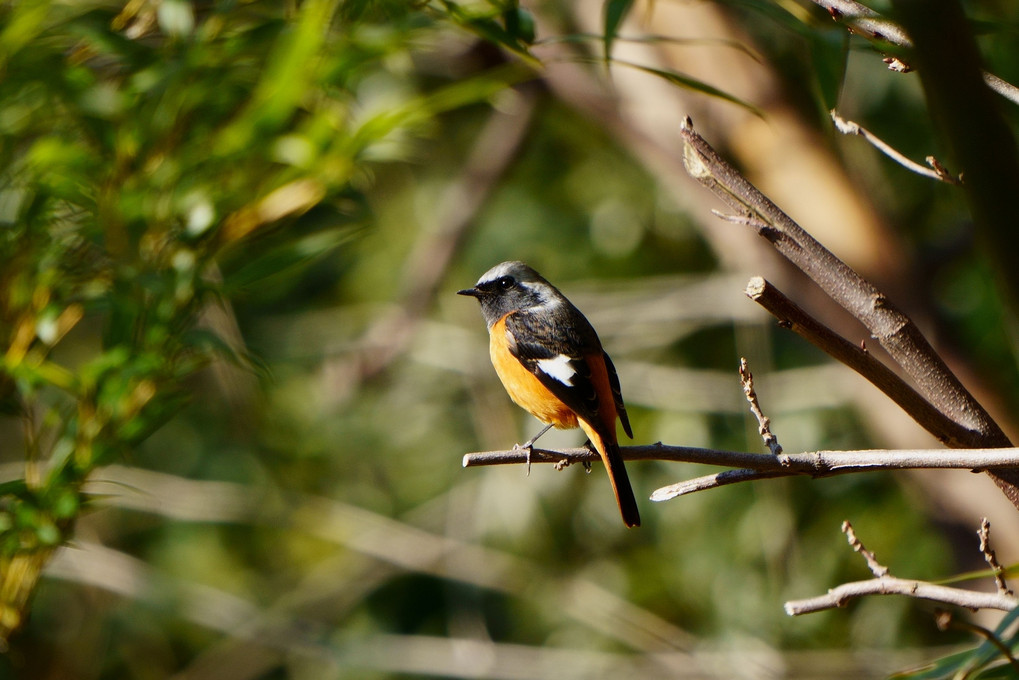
(508, 293)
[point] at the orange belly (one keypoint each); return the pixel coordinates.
(524, 389)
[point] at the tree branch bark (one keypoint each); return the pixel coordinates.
(896, 332)
(863, 21)
(792, 316)
(812, 463)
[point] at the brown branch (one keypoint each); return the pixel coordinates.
(992, 560)
(936, 170)
(792, 316)
(763, 421)
(813, 463)
(865, 22)
(879, 570)
(754, 466)
(896, 332)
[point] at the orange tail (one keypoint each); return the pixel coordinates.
(609, 452)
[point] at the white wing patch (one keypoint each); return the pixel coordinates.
(558, 367)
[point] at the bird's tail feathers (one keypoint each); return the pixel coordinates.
(613, 460)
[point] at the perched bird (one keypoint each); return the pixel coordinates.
(552, 364)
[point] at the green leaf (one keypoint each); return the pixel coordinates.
(13, 487)
(519, 24)
(967, 662)
(690, 83)
(614, 12)
(829, 52)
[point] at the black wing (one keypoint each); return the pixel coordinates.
(617, 395)
(556, 358)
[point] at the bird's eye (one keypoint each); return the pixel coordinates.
(505, 283)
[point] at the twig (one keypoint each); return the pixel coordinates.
(992, 560)
(879, 570)
(936, 170)
(884, 583)
(793, 317)
(746, 379)
(891, 585)
(864, 21)
(712, 481)
(893, 329)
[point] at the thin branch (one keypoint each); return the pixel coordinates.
(891, 585)
(992, 560)
(814, 463)
(712, 481)
(754, 466)
(792, 316)
(763, 421)
(863, 21)
(884, 583)
(936, 171)
(879, 570)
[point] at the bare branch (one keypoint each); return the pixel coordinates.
(754, 466)
(879, 570)
(992, 560)
(896, 332)
(814, 463)
(936, 170)
(712, 481)
(863, 21)
(856, 357)
(884, 583)
(1002, 87)
(891, 585)
(763, 421)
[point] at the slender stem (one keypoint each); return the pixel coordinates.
(935, 170)
(891, 585)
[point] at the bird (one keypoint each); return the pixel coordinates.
(551, 362)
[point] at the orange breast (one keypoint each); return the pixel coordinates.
(524, 389)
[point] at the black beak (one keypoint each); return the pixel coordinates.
(473, 292)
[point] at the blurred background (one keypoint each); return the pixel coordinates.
(238, 385)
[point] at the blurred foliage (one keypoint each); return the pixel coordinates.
(207, 214)
(142, 145)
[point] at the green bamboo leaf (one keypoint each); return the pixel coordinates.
(690, 83)
(615, 12)
(967, 662)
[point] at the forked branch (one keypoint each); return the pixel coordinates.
(972, 426)
(884, 583)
